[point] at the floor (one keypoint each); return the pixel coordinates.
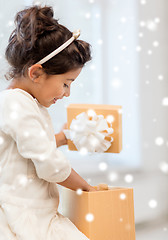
(159, 232)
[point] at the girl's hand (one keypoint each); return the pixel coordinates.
(101, 187)
(65, 126)
(60, 137)
(92, 189)
(64, 139)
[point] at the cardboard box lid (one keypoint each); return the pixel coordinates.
(95, 106)
(74, 109)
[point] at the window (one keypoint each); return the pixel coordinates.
(112, 75)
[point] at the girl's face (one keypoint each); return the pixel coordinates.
(54, 87)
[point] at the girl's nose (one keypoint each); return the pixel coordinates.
(67, 92)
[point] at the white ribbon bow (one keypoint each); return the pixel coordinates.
(90, 134)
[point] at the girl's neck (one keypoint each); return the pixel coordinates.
(15, 84)
(18, 83)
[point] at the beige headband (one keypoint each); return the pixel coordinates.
(75, 35)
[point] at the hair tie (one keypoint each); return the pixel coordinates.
(75, 35)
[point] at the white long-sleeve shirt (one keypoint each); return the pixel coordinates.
(30, 163)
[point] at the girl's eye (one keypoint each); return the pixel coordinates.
(65, 85)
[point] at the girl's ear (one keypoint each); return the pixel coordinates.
(34, 72)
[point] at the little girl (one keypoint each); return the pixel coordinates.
(45, 58)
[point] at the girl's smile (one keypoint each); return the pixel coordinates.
(47, 89)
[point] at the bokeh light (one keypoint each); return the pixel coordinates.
(89, 217)
(152, 203)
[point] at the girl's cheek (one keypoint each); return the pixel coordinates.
(60, 92)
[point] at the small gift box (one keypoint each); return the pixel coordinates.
(101, 215)
(94, 127)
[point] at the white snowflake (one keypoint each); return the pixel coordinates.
(88, 15)
(113, 176)
(123, 19)
(42, 157)
(128, 227)
(152, 203)
(164, 167)
(122, 196)
(155, 43)
(116, 83)
(10, 23)
(94, 142)
(159, 141)
(157, 20)
(92, 67)
(115, 68)
(88, 180)
(127, 146)
(89, 217)
(120, 37)
(14, 106)
(81, 85)
(128, 178)
(37, 3)
(103, 166)
(91, 113)
(83, 151)
(26, 134)
(22, 180)
(79, 191)
(165, 101)
(151, 25)
(124, 48)
(1, 140)
(160, 77)
(149, 52)
(100, 42)
(14, 115)
(143, 2)
(42, 133)
(110, 118)
(141, 34)
(138, 48)
(142, 24)
(97, 15)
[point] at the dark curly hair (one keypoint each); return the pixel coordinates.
(36, 35)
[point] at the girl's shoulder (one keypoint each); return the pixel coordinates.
(10, 93)
(17, 94)
(11, 98)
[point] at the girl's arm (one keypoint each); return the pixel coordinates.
(60, 139)
(75, 181)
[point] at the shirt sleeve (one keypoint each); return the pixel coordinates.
(21, 119)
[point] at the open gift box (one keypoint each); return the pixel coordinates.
(114, 113)
(101, 215)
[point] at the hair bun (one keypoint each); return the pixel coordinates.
(33, 22)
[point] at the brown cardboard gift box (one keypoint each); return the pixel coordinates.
(110, 213)
(74, 109)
